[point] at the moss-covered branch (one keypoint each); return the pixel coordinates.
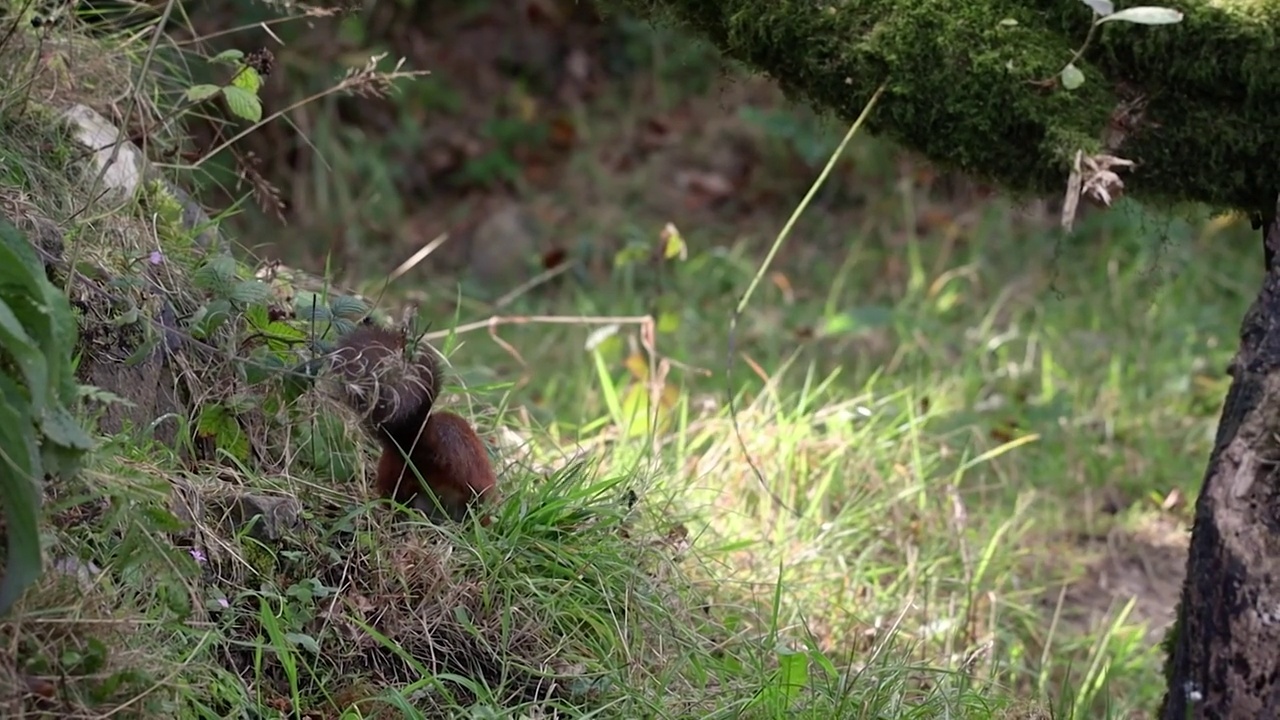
(964, 83)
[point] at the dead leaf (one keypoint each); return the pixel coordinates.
(577, 65)
(934, 218)
(1093, 177)
(783, 284)
(656, 133)
(638, 365)
(563, 134)
(1101, 181)
(554, 258)
(703, 188)
(40, 686)
(543, 12)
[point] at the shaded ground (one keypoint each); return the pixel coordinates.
(1146, 564)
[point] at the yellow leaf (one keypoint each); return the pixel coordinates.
(637, 412)
(673, 244)
(638, 366)
(248, 79)
(526, 105)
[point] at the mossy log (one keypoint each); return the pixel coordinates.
(1222, 649)
(1195, 104)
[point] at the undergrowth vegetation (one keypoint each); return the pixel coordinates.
(941, 466)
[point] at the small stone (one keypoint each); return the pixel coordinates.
(504, 245)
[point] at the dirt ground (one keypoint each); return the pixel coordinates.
(1144, 560)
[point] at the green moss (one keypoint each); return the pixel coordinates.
(177, 240)
(260, 558)
(167, 208)
(962, 84)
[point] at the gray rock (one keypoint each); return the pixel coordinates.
(278, 515)
(504, 245)
(123, 168)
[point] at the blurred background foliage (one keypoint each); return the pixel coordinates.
(538, 120)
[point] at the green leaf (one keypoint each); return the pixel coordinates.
(16, 343)
(285, 331)
(211, 317)
(19, 478)
(859, 320)
(308, 309)
(305, 642)
(793, 674)
(243, 103)
(299, 379)
(1072, 76)
(13, 242)
(261, 366)
(351, 30)
(325, 446)
(257, 317)
(128, 317)
(228, 56)
(345, 306)
(631, 254)
(60, 427)
(144, 349)
(250, 292)
(198, 93)
(38, 334)
(217, 275)
(283, 337)
(217, 422)
(39, 322)
(247, 79)
(342, 326)
(673, 243)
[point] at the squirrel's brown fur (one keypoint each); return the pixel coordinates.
(394, 391)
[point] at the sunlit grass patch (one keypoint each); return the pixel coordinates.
(1088, 383)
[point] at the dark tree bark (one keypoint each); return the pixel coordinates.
(1224, 648)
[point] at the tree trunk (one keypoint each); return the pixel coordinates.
(1224, 648)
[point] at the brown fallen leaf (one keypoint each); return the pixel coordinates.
(703, 188)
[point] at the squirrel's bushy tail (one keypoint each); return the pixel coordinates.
(391, 388)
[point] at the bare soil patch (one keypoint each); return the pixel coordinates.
(1146, 562)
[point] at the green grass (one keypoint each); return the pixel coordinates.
(973, 422)
(1103, 352)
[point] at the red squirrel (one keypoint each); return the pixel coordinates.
(394, 391)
